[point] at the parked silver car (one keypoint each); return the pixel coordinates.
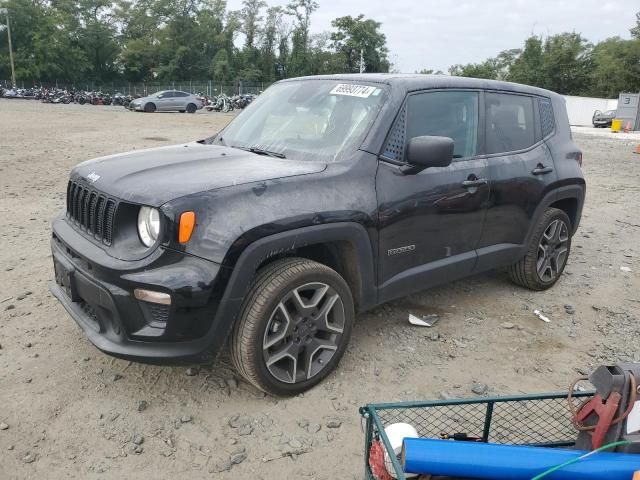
(167, 101)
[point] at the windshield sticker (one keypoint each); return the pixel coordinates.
(361, 91)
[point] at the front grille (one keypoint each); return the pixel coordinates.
(91, 211)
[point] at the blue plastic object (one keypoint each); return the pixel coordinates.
(505, 462)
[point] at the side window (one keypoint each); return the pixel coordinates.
(452, 114)
(547, 119)
(509, 122)
(181, 94)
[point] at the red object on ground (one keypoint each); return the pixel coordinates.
(605, 409)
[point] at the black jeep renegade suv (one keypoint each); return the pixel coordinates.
(325, 197)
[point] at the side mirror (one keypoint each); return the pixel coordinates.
(424, 152)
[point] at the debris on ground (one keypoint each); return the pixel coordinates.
(539, 314)
(424, 321)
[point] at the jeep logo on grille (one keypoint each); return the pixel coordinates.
(93, 176)
(397, 251)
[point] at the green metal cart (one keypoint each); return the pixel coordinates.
(533, 420)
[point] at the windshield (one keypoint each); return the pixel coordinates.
(321, 120)
(609, 113)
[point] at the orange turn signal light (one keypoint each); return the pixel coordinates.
(187, 225)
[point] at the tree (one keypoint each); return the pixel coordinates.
(220, 68)
(250, 15)
(497, 68)
(528, 66)
(268, 55)
(567, 64)
(635, 31)
(301, 10)
(356, 35)
(616, 67)
(486, 69)
(97, 37)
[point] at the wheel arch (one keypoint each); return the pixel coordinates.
(344, 246)
(568, 198)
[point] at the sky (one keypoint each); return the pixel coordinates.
(436, 34)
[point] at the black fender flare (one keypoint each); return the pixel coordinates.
(575, 191)
(280, 243)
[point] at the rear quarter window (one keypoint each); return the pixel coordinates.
(547, 118)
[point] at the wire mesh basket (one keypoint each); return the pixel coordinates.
(532, 420)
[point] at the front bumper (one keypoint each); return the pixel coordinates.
(98, 294)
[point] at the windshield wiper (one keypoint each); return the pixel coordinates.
(260, 151)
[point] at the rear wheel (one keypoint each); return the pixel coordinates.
(547, 254)
(191, 108)
(150, 107)
(294, 326)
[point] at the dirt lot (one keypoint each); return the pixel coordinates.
(73, 412)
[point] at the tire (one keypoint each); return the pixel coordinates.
(317, 342)
(150, 107)
(547, 253)
(191, 108)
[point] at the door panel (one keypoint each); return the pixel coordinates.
(431, 213)
(430, 222)
(166, 102)
(519, 180)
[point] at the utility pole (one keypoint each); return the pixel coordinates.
(361, 60)
(13, 71)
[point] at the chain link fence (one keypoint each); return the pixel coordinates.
(209, 88)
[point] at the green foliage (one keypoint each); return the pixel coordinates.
(566, 63)
(635, 30)
(616, 67)
(100, 41)
(354, 36)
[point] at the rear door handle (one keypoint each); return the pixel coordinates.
(475, 183)
(541, 170)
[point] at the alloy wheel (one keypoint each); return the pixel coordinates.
(552, 251)
(304, 332)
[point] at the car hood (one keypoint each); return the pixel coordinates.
(155, 176)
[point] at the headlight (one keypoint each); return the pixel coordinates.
(148, 225)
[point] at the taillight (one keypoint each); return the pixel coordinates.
(577, 156)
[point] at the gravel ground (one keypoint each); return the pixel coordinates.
(69, 411)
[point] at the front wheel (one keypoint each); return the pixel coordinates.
(547, 254)
(150, 107)
(293, 327)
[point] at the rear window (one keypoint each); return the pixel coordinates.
(509, 122)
